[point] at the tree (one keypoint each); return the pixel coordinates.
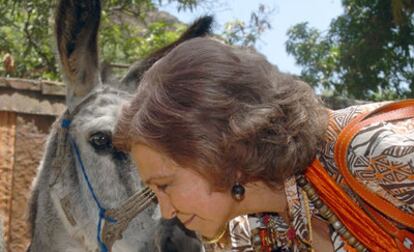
(130, 29)
(367, 53)
(238, 32)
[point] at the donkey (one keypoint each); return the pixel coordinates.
(81, 174)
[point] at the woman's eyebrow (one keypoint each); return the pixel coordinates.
(159, 177)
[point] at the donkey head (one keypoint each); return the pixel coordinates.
(82, 174)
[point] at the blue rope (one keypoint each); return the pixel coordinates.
(65, 123)
(102, 211)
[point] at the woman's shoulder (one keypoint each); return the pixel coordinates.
(338, 119)
(381, 156)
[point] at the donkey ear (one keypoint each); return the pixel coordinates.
(76, 29)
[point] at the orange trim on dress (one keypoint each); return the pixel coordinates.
(341, 148)
(374, 232)
(357, 222)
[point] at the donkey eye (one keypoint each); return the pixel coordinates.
(101, 140)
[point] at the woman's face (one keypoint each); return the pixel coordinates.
(183, 192)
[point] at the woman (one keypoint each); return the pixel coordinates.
(217, 132)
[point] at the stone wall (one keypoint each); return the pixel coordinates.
(27, 110)
(7, 140)
(22, 140)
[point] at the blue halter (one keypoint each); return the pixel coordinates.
(102, 211)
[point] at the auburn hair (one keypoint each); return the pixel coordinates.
(225, 112)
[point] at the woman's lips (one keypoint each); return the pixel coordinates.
(185, 223)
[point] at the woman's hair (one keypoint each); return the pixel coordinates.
(225, 112)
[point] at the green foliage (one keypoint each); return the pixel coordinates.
(367, 53)
(129, 41)
(184, 5)
(23, 28)
(130, 29)
(238, 32)
(125, 34)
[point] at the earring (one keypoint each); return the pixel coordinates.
(237, 192)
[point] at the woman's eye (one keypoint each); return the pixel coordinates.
(162, 187)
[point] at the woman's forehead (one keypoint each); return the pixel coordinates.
(151, 163)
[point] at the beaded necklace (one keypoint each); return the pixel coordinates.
(328, 215)
(271, 233)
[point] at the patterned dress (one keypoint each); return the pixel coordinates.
(381, 156)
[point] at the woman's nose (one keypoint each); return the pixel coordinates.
(167, 209)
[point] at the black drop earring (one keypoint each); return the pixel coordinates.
(237, 192)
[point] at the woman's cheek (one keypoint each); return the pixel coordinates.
(186, 196)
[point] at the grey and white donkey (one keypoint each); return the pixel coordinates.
(66, 212)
